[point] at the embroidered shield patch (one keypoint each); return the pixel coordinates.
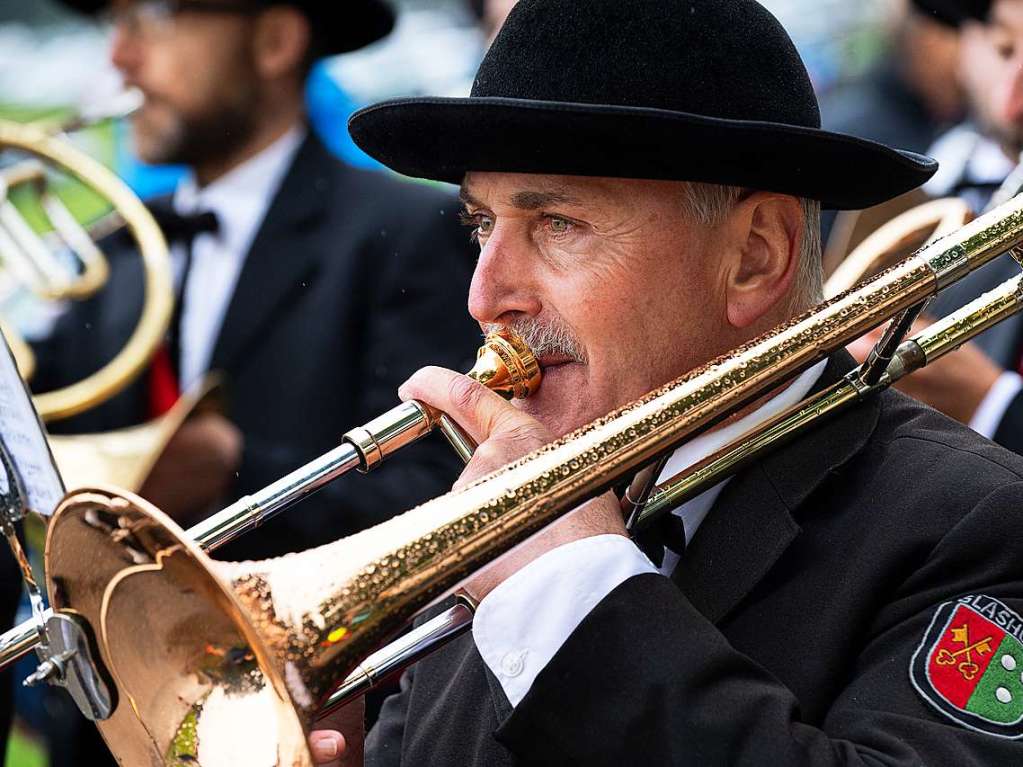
(969, 665)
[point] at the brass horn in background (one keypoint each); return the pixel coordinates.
(29, 261)
(216, 664)
(923, 222)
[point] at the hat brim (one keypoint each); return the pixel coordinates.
(444, 138)
(365, 22)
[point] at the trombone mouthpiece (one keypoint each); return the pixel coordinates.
(506, 365)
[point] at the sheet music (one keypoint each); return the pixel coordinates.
(23, 436)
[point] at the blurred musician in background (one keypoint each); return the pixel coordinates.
(313, 287)
(980, 385)
(910, 95)
(634, 221)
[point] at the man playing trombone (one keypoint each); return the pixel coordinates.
(644, 179)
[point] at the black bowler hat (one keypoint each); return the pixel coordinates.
(695, 90)
(955, 12)
(356, 23)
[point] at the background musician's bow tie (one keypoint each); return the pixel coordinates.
(184, 227)
(666, 532)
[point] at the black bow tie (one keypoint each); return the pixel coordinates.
(184, 227)
(666, 532)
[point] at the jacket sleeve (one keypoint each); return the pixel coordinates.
(646, 679)
(384, 741)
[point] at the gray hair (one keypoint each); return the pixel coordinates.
(708, 204)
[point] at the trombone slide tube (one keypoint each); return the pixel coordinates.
(363, 449)
(401, 653)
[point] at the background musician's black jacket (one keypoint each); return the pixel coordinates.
(354, 281)
(786, 636)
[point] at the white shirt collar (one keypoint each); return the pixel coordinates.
(693, 511)
(240, 199)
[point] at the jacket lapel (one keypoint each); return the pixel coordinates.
(283, 255)
(754, 519)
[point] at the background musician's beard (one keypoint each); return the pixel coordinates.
(163, 134)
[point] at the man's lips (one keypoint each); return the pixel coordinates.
(554, 360)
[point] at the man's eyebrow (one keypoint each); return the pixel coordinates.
(522, 200)
(537, 200)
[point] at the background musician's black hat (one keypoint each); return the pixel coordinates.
(340, 27)
(955, 12)
(697, 90)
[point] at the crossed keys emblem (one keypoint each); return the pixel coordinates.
(966, 666)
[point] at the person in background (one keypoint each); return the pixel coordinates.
(911, 94)
(980, 384)
(312, 288)
(908, 97)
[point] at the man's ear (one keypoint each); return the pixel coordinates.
(768, 229)
(280, 41)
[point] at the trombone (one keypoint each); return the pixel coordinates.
(266, 641)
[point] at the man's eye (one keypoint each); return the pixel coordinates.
(559, 225)
(480, 224)
(1004, 47)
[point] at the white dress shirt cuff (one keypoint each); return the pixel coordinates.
(522, 623)
(997, 400)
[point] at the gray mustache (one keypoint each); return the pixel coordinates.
(545, 338)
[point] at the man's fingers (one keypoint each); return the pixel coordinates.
(474, 407)
(327, 746)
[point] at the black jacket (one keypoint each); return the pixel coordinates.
(1003, 343)
(354, 281)
(785, 636)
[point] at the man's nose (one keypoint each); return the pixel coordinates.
(125, 51)
(503, 282)
(1011, 103)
